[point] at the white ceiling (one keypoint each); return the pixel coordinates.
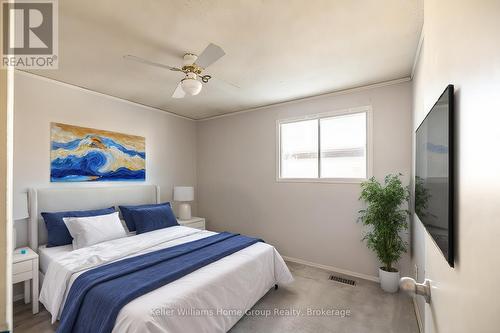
(276, 50)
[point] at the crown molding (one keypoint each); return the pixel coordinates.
(417, 53)
(310, 98)
(292, 101)
(94, 92)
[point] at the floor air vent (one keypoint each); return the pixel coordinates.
(342, 280)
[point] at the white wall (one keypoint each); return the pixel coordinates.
(170, 140)
(315, 222)
(461, 47)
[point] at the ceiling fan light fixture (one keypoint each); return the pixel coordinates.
(191, 85)
(193, 67)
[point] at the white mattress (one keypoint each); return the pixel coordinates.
(50, 254)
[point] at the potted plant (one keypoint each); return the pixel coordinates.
(386, 218)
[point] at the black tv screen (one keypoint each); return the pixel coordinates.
(434, 173)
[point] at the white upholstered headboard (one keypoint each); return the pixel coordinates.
(63, 199)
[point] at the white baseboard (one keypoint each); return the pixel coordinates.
(333, 269)
(419, 317)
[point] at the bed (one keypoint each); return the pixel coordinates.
(210, 299)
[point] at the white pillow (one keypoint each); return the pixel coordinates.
(87, 231)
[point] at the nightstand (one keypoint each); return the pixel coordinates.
(194, 222)
(25, 269)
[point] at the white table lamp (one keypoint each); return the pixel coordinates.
(184, 194)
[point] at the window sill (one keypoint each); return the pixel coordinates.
(322, 180)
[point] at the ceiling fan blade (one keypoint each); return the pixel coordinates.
(210, 55)
(151, 63)
(178, 92)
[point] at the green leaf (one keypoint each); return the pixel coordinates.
(385, 217)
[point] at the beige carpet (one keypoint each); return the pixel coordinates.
(370, 309)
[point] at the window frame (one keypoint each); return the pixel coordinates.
(341, 112)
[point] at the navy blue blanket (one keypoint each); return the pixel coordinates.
(97, 296)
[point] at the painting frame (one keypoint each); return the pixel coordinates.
(85, 154)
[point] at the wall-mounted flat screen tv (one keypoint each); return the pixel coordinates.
(434, 183)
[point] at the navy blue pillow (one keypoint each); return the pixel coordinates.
(153, 218)
(127, 216)
(58, 233)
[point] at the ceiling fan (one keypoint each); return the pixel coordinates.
(193, 67)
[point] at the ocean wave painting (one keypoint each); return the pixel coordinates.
(84, 154)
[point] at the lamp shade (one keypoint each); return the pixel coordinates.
(191, 85)
(183, 193)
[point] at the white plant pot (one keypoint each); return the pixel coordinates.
(389, 281)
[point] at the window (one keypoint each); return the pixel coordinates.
(326, 147)
(299, 149)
